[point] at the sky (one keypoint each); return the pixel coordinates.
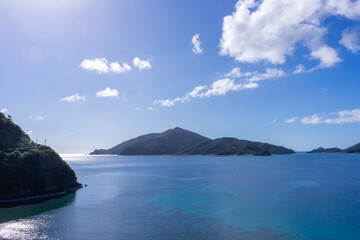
(89, 74)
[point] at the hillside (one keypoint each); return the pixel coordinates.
(28, 169)
(179, 141)
(353, 149)
(326, 150)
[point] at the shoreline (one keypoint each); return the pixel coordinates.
(37, 199)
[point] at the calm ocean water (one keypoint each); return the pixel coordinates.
(299, 196)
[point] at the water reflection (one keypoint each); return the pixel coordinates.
(24, 211)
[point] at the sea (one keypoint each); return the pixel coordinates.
(299, 196)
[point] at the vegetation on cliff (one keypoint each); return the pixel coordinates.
(28, 169)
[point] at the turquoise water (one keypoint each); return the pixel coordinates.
(299, 196)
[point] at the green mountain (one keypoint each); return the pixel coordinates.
(178, 141)
(326, 150)
(28, 169)
(353, 149)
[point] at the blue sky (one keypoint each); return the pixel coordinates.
(91, 74)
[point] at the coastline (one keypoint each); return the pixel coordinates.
(38, 198)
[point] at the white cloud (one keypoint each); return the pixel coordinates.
(219, 87)
(270, 30)
(328, 56)
(73, 98)
(38, 117)
(3, 110)
(117, 68)
(222, 86)
(234, 73)
(196, 44)
(351, 39)
(100, 65)
(141, 64)
(291, 120)
(225, 85)
(29, 132)
(314, 119)
(108, 92)
(347, 8)
(345, 116)
(270, 73)
(299, 69)
(255, 76)
(150, 108)
(274, 120)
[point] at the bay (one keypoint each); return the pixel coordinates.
(300, 196)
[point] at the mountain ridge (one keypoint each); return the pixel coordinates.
(178, 141)
(353, 149)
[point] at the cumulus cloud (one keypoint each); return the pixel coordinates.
(196, 44)
(270, 30)
(351, 39)
(328, 56)
(108, 92)
(291, 120)
(345, 116)
(4, 110)
(117, 68)
(101, 66)
(29, 132)
(98, 64)
(74, 98)
(141, 64)
(346, 8)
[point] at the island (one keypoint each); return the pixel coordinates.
(326, 150)
(30, 172)
(178, 141)
(352, 149)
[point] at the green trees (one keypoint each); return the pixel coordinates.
(28, 169)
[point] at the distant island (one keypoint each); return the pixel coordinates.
(179, 141)
(30, 172)
(352, 149)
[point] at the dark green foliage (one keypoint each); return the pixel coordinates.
(326, 150)
(353, 149)
(28, 169)
(178, 141)
(11, 135)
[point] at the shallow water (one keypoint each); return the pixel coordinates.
(301, 196)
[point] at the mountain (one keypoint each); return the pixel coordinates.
(353, 149)
(179, 141)
(326, 150)
(29, 170)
